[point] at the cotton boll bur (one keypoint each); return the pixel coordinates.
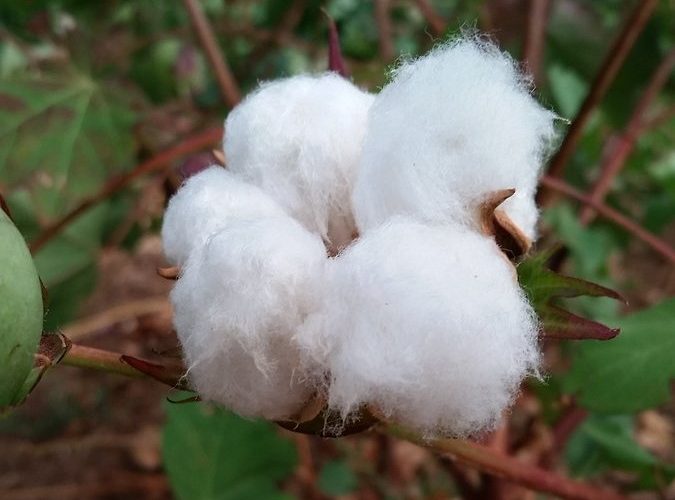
(237, 305)
(427, 324)
(299, 139)
(449, 129)
(203, 205)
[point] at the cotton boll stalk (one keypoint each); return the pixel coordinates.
(237, 306)
(204, 204)
(450, 128)
(427, 324)
(299, 139)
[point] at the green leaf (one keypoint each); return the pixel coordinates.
(568, 90)
(61, 138)
(633, 372)
(336, 478)
(20, 312)
(212, 454)
(605, 442)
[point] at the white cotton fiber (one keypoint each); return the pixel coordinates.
(204, 204)
(237, 305)
(428, 324)
(450, 128)
(299, 139)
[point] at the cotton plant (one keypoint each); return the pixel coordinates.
(354, 261)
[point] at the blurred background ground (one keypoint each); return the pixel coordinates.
(90, 89)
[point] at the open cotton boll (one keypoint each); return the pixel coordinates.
(206, 203)
(237, 306)
(450, 128)
(299, 139)
(428, 324)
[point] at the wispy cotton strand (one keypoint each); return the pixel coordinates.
(425, 323)
(450, 128)
(299, 139)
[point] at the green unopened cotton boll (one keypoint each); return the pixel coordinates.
(20, 312)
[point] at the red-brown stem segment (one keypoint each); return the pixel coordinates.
(114, 185)
(612, 215)
(535, 37)
(121, 364)
(384, 29)
(98, 359)
(226, 82)
(623, 146)
(616, 56)
(435, 21)
(508, 468)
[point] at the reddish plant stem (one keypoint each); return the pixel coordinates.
(623, 146)
(508, 468)
(113, 186)
(290, 21)
(434, 20)
(568, 423)
(226, 82)
(98, 359)
(616, 56)
(537, 19)
(384, 29)
(608, 213)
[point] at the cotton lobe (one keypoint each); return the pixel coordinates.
(428, 324)
(299, 139)
(204, 204)
(450, 128)
(238, 303)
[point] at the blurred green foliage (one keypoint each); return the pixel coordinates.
(79, 79)
(211, 454)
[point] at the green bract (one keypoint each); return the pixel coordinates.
(20, 312)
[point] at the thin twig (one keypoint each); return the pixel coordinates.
(113, 186)
(565, 427)
(435, 21)
(384, 29)
(535, 35)
(281, 35)
(116, 484)
(623, 146)
(117, 314)
(228, 85)
(100, 360)
(608, 213)
(508, 468)
(290, 21)
(616, 56)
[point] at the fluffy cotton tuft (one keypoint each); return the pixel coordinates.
(237, 305)
(450, 128)
(205, 204)
(428, 324)
(299, 139)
